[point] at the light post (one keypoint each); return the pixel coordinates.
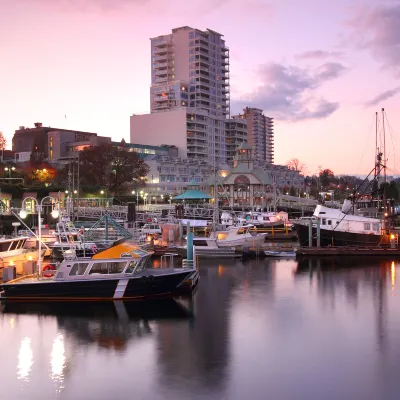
(137, 196)
(39, 207)
(9, 169)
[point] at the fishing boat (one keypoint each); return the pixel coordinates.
(339, 228)
(116, 273)
(284, 254)
(351, 225)
(208, 248)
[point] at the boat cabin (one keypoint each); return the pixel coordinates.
(7, 245)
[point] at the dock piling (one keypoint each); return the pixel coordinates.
(310, 233)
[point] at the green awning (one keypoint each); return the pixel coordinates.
(192, 195)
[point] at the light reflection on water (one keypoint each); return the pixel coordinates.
(25, 359)
(276, 329)
(57, 361)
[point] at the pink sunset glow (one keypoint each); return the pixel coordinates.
(321, 69)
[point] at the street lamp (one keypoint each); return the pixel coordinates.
(39, 207)
(9, 169)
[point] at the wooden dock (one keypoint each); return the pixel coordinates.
(348, 251)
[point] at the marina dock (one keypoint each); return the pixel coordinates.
(348, 251)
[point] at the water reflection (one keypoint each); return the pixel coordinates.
(58, 361)
(25, 359)
(279, 329)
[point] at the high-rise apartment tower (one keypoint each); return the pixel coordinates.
(190, 87)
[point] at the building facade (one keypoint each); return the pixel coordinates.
(236, 134)
(260, 134)
(189, 95)
(172, 175)
(37, 139)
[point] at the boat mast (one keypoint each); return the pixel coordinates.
(384, 171)
(376, 144)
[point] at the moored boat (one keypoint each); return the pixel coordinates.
(116, 273)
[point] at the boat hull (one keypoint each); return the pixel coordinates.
(336, 238)
(141, 287)
(284, 254)
(204, 252)
(246, 241)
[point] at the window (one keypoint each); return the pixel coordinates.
(200, 242)
(367, 226)
(108, 268)
(329, 222)
(130, 267)
(78, 269)
(13, 245)
(375, 227)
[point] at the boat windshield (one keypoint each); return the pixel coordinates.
(108, 267)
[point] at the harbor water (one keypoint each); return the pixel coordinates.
(256, 329)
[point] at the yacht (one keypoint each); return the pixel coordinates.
(115, 273)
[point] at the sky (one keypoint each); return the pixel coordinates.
(321, 69)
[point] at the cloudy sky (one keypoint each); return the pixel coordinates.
(320, 68)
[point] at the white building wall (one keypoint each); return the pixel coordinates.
(168, 127)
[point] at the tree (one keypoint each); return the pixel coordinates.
(3, 141)
(43, 176)
(296, 165)
(111, 167)
(326, 176)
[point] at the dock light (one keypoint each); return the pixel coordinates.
(75, 191)
(133, 192)
(392, 236)
(22, 214)
(44, 170)
(386, 214)
(55, 213)
(30, 258)
(11, 264)
(101, 191)
(66, 192)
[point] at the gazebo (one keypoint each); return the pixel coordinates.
(192, 195)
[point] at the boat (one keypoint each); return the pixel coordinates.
(112, 274)
(239, 236)
(14, 252)
(208, 248)
(285, 254)
(261, 219)
(70, 243)
(353, 224)
(339, 228)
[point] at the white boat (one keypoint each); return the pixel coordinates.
(264, 219)
(13, 251)
(70, 242)
(239, 236)
(285, 254)
(208, 248)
